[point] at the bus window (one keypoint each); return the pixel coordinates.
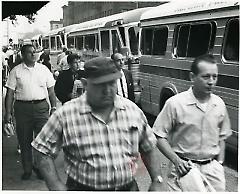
(53, 43)
(116, 46)
(89, 42)
(79, 42)
(70, 42)
(96, 43)
(58, 43)
(105, 44)
(160, 40)
(122, 33)
(39, 41)
(45, 43)
(63, 39)
(231, 45)
(133, 39)
(192, 40)
(146, 42)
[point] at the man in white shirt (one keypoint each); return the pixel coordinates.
(28, 83)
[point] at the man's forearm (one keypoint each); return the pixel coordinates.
(52, 97)
(151, 161)
(9, 103)
(166, 149)
(48, 170)
(221, 156)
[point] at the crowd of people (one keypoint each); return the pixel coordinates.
(103, 133)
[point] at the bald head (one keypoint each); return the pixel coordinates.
(118, 60)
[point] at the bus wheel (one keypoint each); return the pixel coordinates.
(166, 93)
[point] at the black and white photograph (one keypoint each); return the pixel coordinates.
(120, 95)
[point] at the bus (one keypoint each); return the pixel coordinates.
(56, 39)
(36, 41)
(107, 35)
(172, 35)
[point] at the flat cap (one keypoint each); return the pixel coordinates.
(101, 69)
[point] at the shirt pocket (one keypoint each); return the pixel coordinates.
(21, 81)
(130, 139)
(40, 81)
(215, 122)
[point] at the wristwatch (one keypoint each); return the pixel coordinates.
(158, 179)
(221, 162)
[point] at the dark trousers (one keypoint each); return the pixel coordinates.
(30, 119)
(73, 185)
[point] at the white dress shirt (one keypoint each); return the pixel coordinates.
(122, 88)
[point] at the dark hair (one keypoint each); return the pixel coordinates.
(24, 48)
(206, 57)
(68, 52)
(71, 57)
(112, 56)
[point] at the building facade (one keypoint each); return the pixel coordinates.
(77, 12)
(56, 24)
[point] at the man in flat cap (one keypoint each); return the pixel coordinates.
(101, 134)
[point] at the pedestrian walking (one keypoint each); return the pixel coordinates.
(27, 84)
(4, 66)
(125, 83)
(61, 55)
(101, 134)
(63, 65)
(193, 126)
(65, 88)
(45, 59)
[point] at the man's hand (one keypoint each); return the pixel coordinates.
(53, 109)
(59, 186)
(157, 186)
(7, 118)
(182, 167)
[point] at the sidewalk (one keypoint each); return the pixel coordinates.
(12, 169)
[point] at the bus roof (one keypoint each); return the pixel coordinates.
(112, 20)
(177, 7)
(65, 29)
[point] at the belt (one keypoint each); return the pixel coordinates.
(76, 186)
(31, 101)
(201, 162)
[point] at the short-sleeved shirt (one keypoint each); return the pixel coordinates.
(63, 64)
(97, 154)
(60, 56)
(191, 131)
(30, 83)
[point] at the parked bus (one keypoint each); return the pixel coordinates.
(56, 39)
(172, 35)
(107, 35)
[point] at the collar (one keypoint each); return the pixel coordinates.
(26, 67)
(86, 108)
(193, 100)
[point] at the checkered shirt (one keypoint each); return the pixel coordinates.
(98, 154)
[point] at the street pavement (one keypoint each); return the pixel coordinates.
(12, 171)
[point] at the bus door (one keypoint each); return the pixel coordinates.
(105, 43)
